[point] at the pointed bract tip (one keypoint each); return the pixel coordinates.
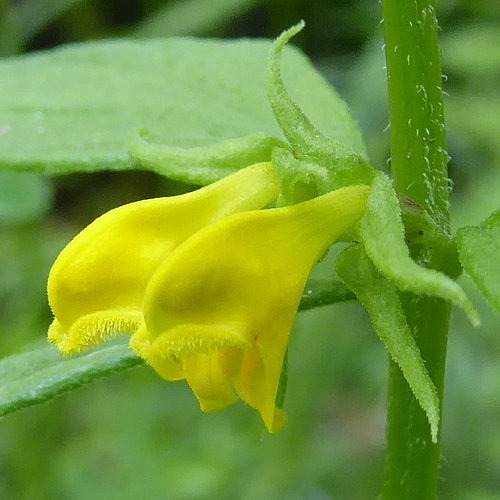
(289, 33)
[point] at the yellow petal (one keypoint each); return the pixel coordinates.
(168, 367)
(245, 275)
(94, 328)
(211, 384)
(209, 360)
(102, 274)
(166, 351)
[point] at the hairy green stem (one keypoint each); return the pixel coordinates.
(419, 169)
(418, 142)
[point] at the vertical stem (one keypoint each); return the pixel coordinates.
(419, 169)
(418, 141)
(412, 460)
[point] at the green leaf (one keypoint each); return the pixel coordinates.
(381, 299)
(24, 196)
(383, 236)
(205, 164)
(479, 251)
(76, 108)
(34, 377)
(427, 241)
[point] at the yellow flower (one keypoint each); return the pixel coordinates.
(208, 283)
(219, 310)
(96, 286)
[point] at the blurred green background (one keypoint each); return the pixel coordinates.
(135, 436)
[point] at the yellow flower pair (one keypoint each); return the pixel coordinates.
(208, 283)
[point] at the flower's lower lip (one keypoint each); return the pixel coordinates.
(187, 339)
(93, 329)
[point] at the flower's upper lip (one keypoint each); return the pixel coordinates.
(103, 273)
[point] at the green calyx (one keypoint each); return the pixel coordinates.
(201, 165)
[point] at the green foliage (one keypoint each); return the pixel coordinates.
(335, 161)
(37, 376)
(381, 299)
(383, 236)
(205, 164)
(300, 180)
(479, 250)
(149, 437)
(76, 108)
(323, 292)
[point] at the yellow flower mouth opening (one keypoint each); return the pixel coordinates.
(208, 357)
(92, 329)
(181, 342)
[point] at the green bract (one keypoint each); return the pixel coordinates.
(315, 164)
(382, 233)
(319, 164)
(381, 299)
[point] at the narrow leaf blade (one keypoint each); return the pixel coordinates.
(382, 233)
(381, 299)
(34, 377)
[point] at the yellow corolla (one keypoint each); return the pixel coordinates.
(96, 286)
(219, 310)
